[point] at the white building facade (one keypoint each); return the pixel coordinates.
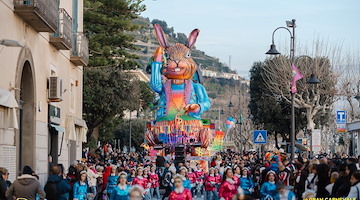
(41, 84)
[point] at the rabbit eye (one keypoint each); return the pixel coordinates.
(188, 54)
(166, 55)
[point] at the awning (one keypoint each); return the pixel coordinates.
(58, 128)
(70, 131)
(8, 117)
(7, 99)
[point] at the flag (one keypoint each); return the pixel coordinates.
(296, 75)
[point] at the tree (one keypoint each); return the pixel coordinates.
(107, 93)
(137, 132)
(270, 111)
(109, 89)
(181, 38)
(107, 24)
(167, 30)
(315, 99)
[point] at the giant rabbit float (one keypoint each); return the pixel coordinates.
(181, 100)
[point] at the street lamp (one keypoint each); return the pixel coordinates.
(273, 51)
(11, 43)
(312, 80)
(230, 105)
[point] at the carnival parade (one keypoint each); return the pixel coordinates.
(129, 100)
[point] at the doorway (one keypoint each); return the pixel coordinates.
(26, 140)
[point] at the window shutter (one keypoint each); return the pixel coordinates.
(8, 160)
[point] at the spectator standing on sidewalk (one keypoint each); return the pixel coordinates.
(57, 187)
(4, 183)
(25, 186)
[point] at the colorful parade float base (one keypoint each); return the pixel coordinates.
(178, 128)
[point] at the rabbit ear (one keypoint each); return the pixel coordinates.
(160, 36)
(192, 37)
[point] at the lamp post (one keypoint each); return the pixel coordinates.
(312, 80)
(221, 112)
(130, 132)
(231, 105)
(273, 51)
(11, 43)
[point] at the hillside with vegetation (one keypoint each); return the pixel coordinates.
(147, 43)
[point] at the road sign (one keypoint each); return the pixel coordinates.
(260, 137)
(341, 117)
(340, 128)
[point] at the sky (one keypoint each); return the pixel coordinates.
(243, 28)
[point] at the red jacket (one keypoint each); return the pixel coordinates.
(154, 178)
(210, 182)
(192, 177)
(185, 195)
(143, 182)
(227, 189)
(218, 178)
(237, 180)
(106, 176)
(200, 176)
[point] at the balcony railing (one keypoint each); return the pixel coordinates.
(63, 38)
(80, 52)
(42, 15)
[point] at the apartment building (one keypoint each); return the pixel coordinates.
(42, 54)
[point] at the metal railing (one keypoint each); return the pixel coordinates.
(46, 9)
(65, 28)
(81, 46)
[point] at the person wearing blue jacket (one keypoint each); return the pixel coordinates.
(274, 165)
(112, 180)
(61, 184)
(121, 191)
(81, 188)
(246, 182)
(268, 189)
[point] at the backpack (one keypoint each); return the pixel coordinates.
(51, 191)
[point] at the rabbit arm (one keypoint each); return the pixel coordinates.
(156, 79)
(202, 98)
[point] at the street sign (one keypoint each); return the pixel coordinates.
(340, 128)
(341, 117)
(260, 137)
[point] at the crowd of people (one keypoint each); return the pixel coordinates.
(111, 174)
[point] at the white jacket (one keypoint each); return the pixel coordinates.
(308, 181)
(354, 191)
(91, 177)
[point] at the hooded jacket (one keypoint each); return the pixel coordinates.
(63, 188)
(25, 186)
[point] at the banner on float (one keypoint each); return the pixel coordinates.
(218, 141)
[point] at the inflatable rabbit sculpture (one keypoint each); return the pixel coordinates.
(182, 101)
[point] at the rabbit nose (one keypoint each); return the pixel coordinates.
(177, 62)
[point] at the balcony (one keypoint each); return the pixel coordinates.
(42, 15)
(62, 39)
(80, 53)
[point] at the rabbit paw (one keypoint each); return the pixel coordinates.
(158, 55)
(193, 108)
